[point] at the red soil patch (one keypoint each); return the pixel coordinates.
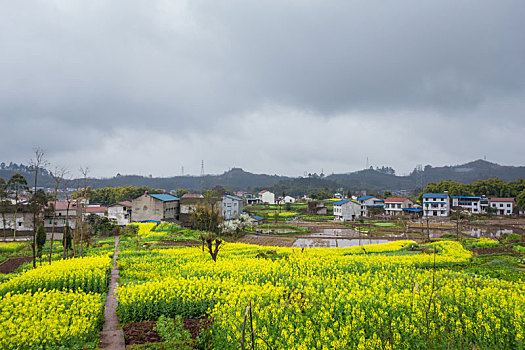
(10, 265)
(142, 332)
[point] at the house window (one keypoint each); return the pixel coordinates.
(508, 205)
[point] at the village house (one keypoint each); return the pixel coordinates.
(120, 212)
(231, 207)
(66, 212)
(436, 204)
(24, 222)
(266, 197)
(505, 206)
(317, 208)
(155, 207)
(189, 203)
(98, 210)
(395, 205)
(348, 210)
(472, 204)
(288, 199)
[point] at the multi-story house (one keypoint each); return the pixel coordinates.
(231, 207)
(436, 204)
(121, 212)
(395, 205)
(266, 197)
(155, 207)
(470, 203)
(348, 210)
(504, 206)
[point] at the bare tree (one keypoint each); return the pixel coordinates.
(16, 184)
(4, 203)
(67, 230)
(84, 172)
(58, 176)
(36, 163)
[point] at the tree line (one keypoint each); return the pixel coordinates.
(111, 195)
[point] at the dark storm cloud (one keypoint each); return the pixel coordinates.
(85, 78)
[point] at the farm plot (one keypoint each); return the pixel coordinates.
(390, 296)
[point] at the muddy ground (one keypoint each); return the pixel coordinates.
(10, 265)
(143, 332)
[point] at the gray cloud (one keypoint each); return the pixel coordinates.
(279, 87)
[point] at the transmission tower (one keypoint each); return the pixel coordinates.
(202, 167)
(182, 170)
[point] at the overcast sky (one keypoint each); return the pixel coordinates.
(146, 87)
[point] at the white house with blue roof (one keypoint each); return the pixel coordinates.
(231, 206)
(436, 204)
(348, 210)
(469, 203)
(155, 207)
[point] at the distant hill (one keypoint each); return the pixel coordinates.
(370, 180)
(234, 179)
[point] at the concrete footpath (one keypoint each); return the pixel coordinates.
(111, 336)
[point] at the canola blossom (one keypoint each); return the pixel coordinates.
(89, 274)
(144, 228)
(50, 319)
(385, 296)
(10, 247)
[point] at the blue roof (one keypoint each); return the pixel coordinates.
(233, 197)
(375, 206)
(364, 198)
(257, 217)
(414, 210)
(466, 197)
(435, 195)
(342, 202)
(379, 200)
(165, 197)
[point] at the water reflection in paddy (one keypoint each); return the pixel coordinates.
(335, 242)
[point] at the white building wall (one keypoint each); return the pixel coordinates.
(435, 206)
(268, 197)
(120, 213)
(504, 208)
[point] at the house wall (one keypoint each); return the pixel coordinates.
(395, 208)
(120, 213)
(472, 205)
(436, 206)
(146, 207)
(268, 197)
(24, 221)
(504, 208)
(348, 211)
(231, 208)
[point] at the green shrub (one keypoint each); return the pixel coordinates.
(171, 329)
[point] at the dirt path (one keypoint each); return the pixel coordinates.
(10, 265)
(112, 337)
